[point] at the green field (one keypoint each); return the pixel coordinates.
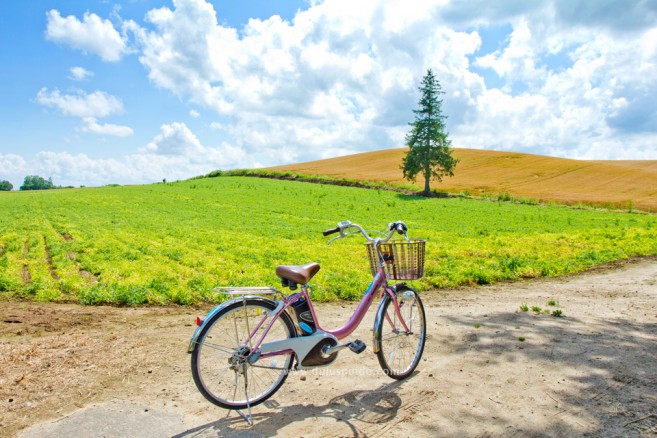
(175, 242)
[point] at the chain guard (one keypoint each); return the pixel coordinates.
(314, 357)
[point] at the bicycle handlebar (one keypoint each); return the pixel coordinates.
(331, 231)
(399, 227)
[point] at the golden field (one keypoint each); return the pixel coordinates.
(617, 184)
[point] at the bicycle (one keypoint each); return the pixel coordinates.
(244, 349)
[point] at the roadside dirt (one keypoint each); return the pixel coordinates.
(489, 369)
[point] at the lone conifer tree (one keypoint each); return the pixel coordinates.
(429, 152)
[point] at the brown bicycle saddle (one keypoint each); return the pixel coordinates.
(297, 274)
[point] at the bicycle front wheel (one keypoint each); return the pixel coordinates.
(221, 362)
(400, 350)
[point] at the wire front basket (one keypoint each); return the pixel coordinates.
(403, 260)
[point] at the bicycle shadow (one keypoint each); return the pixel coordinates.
(373, 408)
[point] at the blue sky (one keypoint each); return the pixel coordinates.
(136, 91)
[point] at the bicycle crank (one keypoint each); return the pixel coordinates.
(356, 346)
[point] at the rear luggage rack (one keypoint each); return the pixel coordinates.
(247, 290)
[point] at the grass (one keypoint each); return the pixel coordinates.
(317, 179)
(175, 242)
(558, 313)
(537, 309)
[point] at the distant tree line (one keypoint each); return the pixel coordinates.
(31, 182)
(35, 182)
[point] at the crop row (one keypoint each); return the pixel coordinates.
(176, 242)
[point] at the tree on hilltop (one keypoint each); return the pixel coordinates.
(430, 154)
(35, 182)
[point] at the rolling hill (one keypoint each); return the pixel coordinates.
(618, 184)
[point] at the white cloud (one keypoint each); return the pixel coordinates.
(616, 15)
(334, 79)
(597, 106)
(175, 153)
(79, 74)
(91, 34)
(517, 61)
(175, 139)
(90, 124)
(79, 169)
(89, 107)
(342, 77)
(14, 168)
(11, 164)
(81, 104)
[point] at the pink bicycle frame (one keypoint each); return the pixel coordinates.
(380, 282)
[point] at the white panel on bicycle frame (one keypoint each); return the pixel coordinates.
(301, 345)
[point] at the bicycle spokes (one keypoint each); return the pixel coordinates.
(400, 334)
(224, 368)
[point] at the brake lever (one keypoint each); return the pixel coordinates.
(334, 239)
(342, 234)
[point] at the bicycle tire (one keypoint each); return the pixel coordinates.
(399, 353)
(219, 342)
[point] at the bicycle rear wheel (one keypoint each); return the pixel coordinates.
(399, 351)
(221, 367)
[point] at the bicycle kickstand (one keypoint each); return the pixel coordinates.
(248, 418)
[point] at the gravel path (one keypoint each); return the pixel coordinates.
(489, 369)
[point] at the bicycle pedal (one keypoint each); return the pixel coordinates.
(357, 346)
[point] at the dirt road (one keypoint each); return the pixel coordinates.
(489, 369)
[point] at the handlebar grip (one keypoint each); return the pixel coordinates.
(400, 227)
(331, 231)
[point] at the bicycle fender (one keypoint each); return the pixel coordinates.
(379, 317)
(197, 333)
(378, 324)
